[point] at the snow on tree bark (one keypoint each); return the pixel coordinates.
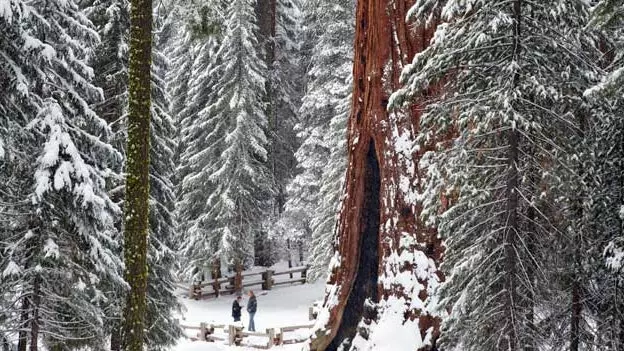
(137, 168)
(407, 251)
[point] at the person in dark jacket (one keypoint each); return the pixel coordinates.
(252, 306)
(236, 309)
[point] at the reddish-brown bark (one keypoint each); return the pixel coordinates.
(384, 43)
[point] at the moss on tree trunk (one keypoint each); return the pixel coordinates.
(137, 178)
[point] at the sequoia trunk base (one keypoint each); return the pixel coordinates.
(379, 217)
(365, 284)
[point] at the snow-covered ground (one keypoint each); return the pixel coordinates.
(282, 306)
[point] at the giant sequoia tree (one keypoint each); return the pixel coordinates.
(386, 259)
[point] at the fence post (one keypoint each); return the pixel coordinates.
(196, 291)
(304, 273)
(271, 332)
(267, 279)
(202, 331)
(239, 336)
(231, 334)
(280, 337)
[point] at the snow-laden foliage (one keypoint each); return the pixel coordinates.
(227, 183)
(191, 81)
(314, 194)
(607, 99)
(240, 174)
(507, 79)
(111, 61)
(58, 220)
(283, 97)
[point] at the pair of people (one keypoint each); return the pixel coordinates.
(252, 306)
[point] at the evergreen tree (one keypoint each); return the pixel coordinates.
(283, 95)
(314, 193)
(226, 184)
(111, 60)
(242, 183)
(192, 83)
(510, 77)
(62, 229)
(607, 213)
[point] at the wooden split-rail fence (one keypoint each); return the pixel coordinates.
(239, 281)
(235, 334)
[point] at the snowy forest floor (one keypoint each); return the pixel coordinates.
(282, 306)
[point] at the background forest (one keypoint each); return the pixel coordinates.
(456, 167)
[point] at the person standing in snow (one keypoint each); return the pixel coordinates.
(236, 309)
(252, 306)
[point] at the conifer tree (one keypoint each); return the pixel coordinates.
(314, 193)
(191, 84)
(607, 213)
(510, 77)
(63, 227)
(111, 61)
(242, 183)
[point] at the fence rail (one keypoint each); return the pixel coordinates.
(237, 282)
(235, 334)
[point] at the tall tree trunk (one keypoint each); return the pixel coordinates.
(384, 43)
(510, 244)
(115, 339)
(575, 319)
(578, 247)
(34, 322)
(137, 167)
(24, 317)
(529, 340)
(513, 227)
(266, 12)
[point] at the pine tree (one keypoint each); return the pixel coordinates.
(607, 213)
(111, 60)
(63, 229)
(314, 193)
(510, 77)
(191, 84)
(163, 329)
(279, 33)
(242, 183)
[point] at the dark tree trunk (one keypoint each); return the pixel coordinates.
(529, 342)
(34, 322)
(288, 248)
(575, 319)
(137, 167)
(511, 243)
(24, 317)
(510, 340)
(384, 43)
(115, 339)
(577, 247)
